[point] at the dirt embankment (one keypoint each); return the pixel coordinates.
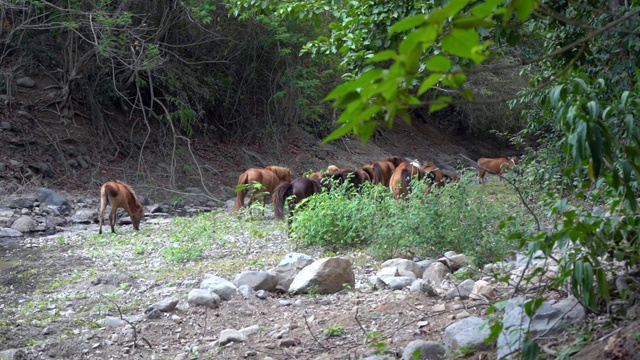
(67, 152)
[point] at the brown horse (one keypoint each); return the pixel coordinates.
(352, 177)
(300, 189)
(119, 195)
(402, 175)
(434, 173)
(495, 166)
(385, 168)
(396, 161)
(269, 178)
(375, 176)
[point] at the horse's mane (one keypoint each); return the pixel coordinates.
(279, 170)
(130, 189)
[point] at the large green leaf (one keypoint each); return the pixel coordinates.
(438, 63)
(523, 8)
(429, 82)
(408, 23)
(485, 8)
(464, 43)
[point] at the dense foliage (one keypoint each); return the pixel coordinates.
(461, 217)
(183, 66)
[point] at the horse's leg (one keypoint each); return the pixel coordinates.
(103, 205)
(264, 202)
(112, 218)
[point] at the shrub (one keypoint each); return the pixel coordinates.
(460, 217)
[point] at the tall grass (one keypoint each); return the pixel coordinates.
(462, 217)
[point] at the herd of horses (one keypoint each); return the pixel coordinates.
(393, 172)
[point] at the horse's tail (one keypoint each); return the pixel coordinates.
(279, 196)
(317, 186)
(378, 174)
(405, 178)
(106, 191)
(243, 179)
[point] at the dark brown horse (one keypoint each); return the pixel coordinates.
(495, 166)
(300, 189)
(402, 176)
(349, 176)
(119, 195)
(269, 178)
(375, 174)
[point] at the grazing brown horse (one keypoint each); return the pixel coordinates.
(300, 189)
(385, 168)
(495, 166)
(375, 176)
(349, 176)
(119, 195)
(396, 161)
(402, 175)
(269, 177)
(434, 174)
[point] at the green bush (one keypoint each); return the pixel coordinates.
(462, 217)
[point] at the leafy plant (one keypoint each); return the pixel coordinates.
(333, 331)
(463, 218)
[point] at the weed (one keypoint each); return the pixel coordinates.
(333, 331)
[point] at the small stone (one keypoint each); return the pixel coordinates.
(154, 314)
(287, 342)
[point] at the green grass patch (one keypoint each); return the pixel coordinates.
(462, 217)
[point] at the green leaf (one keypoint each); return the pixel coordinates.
(455, 6)
(408, 23)
(455, 80)
(438, 63)
(471, 22)
(346, 99)
(603, 285)
(524, 8)
(596, 147)
(339, 132)
(556, 95)
(531, 306)
(367, 130)
(463, 43)
(530, 350)
(341, 90)
(485, 8)
(442, 102)
(429, 82)
(383, 56)
(425, 36)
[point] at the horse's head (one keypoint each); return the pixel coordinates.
(136, 214)
(394, 160)
(513, 160)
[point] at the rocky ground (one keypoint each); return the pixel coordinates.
(76, 294)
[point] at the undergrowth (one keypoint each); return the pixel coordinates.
(462, 217)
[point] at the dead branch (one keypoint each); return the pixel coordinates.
(135, 331)
(304, 316)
